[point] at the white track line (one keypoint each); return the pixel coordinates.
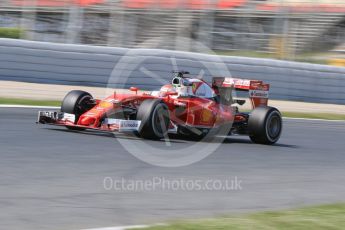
(56, 107)
(29, 107)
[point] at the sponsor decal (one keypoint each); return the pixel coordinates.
(105, 104)
(68, 117)
(206, 116)
(258, 93)
(112, 100)
(123, 125)
(237, 82)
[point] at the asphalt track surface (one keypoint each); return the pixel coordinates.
(51, 178)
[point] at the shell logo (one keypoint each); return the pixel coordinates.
(105, 104)
(206, 116)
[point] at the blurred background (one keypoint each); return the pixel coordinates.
(300, 30)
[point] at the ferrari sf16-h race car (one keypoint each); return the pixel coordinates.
(188, 107)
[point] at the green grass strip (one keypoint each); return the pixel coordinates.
(316, 218)
(15, 101)
(326, 116)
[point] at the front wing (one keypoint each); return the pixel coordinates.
(66, 119)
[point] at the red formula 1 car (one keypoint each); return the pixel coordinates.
(188, 107)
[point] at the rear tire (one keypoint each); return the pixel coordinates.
(265, 125)
(76, 102)
(154, 116)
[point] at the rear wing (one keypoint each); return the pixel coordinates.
(258, 90)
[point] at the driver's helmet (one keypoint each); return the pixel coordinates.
(165, 89)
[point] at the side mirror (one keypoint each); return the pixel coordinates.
(134, 89)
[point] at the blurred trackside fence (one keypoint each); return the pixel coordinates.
(280, 28)
(39, 62)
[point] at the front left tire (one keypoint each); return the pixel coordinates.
(76, 102)
(154, 116)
